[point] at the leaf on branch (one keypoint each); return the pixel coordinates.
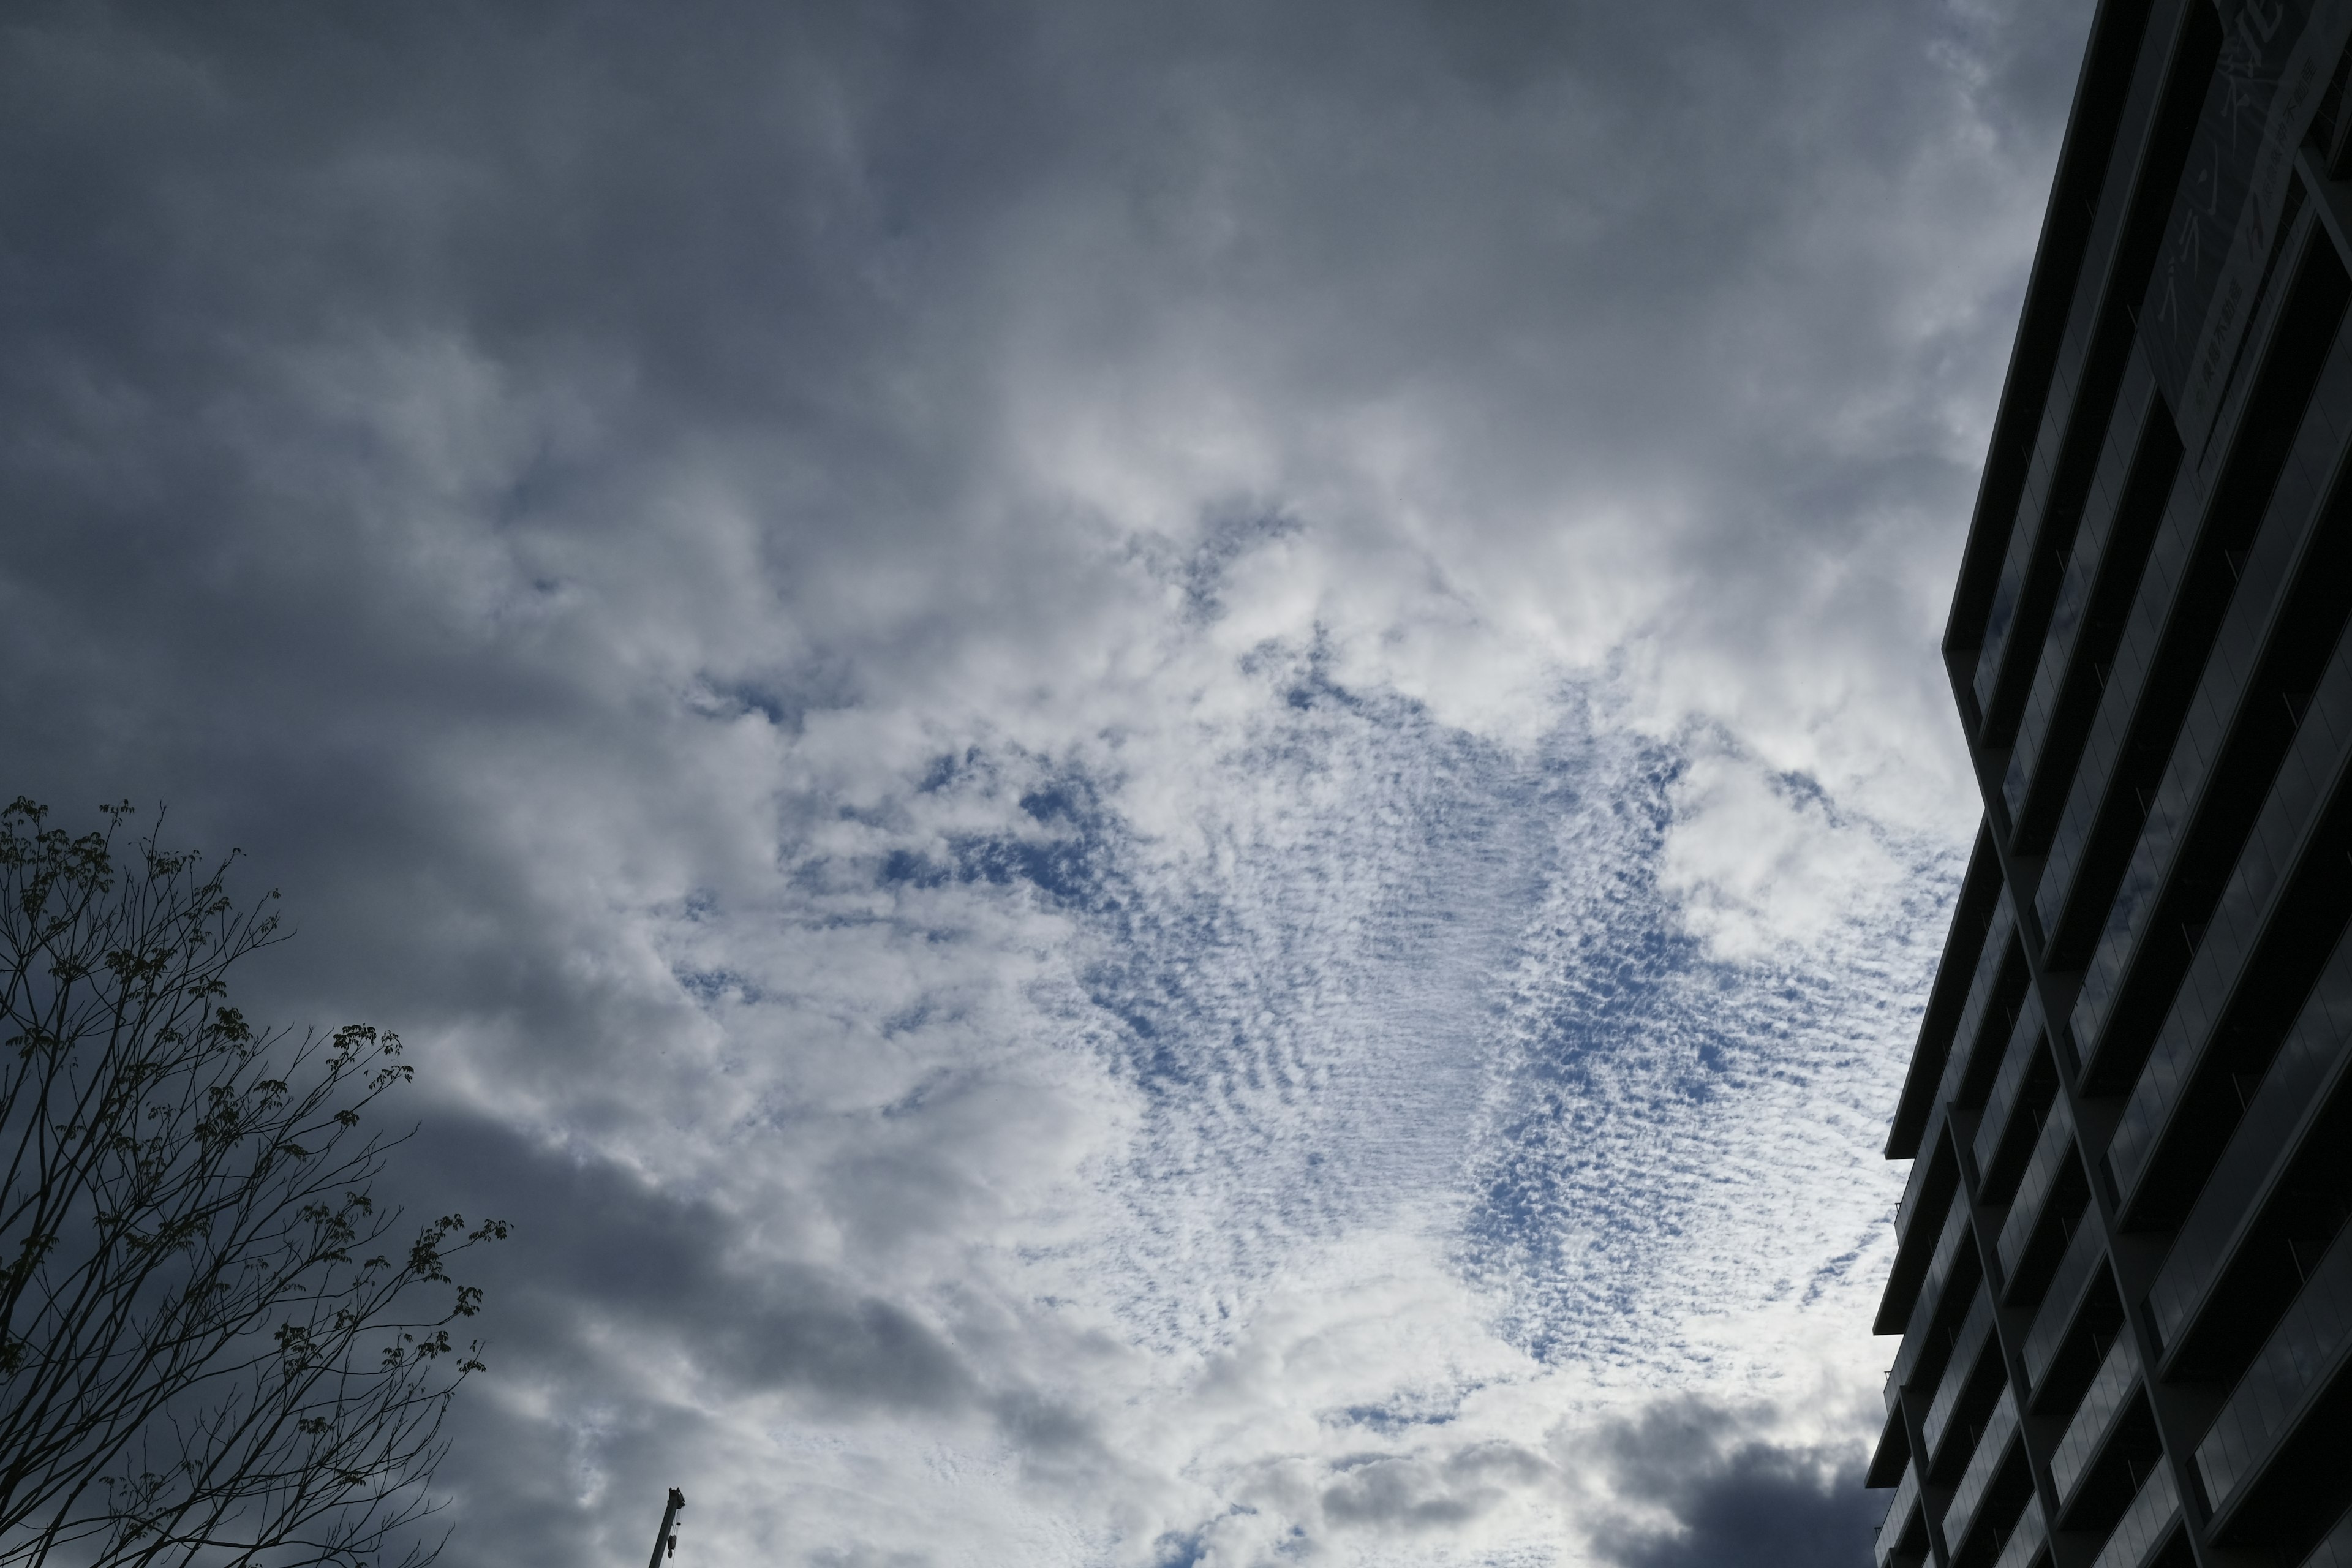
(182, 1133)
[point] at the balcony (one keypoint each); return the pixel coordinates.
(1980, 893)
(2088, 596)
(1903, 1538)
(1967, 1346)
(1920, 1357)
(2294, 1368)
(2273, 931)
(1992, 1448)
(1892, 1455)
(1991, 958)
(2022, 1095)
(2147, 1526)
(2286, 1114)
(2026, 1538)
(2094, 1422)
(2077, 834)
(1926, 1195)
(1990, 1016)
(2050, 1196)
(2091, 386)
(2061, 1303)
(2334, 1551)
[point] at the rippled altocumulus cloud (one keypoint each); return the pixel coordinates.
(1160, 786)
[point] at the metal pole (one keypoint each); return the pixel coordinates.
(669, 1517)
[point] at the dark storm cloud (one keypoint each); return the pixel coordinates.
(605, 1252)
(798, 251)
(1736, 1502)
(623, 1299)
(1380, 1492)
(805, 247)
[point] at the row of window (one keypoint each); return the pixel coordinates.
(2159, 690)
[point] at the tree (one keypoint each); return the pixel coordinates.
(212, 1350)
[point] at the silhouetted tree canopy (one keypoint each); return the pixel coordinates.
(215, 1345)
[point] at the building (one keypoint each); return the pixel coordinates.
(2121, 1278)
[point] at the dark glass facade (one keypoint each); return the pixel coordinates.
(2123, 1277)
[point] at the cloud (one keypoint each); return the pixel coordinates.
(1379, 1492)
(1157, 784)
(1758, 860)
(610, 1256)
(1730, 1499)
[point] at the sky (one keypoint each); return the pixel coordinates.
(1159, 785)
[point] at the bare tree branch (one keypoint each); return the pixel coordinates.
(213, 1346)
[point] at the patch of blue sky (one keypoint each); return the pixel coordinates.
(1411, 976)
(1671, 1134)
